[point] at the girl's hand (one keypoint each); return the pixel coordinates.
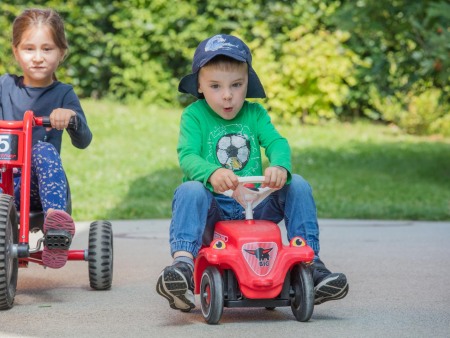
(223, 179)
(275, 177)
(60, 117)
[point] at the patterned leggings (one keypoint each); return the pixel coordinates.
(48, 188)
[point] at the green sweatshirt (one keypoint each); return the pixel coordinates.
(208, 142)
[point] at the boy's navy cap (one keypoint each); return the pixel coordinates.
(221, 45)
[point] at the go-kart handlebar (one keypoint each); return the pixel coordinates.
(247, 181)
(45, 122)
(30, 120)
(247, 195)
(251, 179)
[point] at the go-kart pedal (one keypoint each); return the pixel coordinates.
(59, 229)
(57, 239)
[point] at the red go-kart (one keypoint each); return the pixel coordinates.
(247, 265)
(15, 227)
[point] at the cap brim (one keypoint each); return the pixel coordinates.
(189, 85)
(255, 90)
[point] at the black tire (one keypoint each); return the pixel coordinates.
(100, 255)
(9, 265)
(211, 295)
(302, 302)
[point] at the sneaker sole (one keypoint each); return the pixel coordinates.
(173, 286)
(333, 287)
(58, 220)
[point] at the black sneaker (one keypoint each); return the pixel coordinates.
(327, 285)
(176, 284)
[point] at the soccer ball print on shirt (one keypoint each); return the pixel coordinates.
(233, 146)
(233, 151)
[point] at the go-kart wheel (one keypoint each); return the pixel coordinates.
(100, 255)
(211, 295)
(302, 303)
(9, 265)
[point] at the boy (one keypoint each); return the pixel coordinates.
(220, 138)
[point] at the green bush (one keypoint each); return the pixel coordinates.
(417, 113)
(7, 14)
(318, 59)
(423, 111)
(311, 77)
(406, 45)
(441, 125)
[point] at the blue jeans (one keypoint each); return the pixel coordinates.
(195, 211)
(48, 186)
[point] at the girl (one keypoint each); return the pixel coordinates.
(39, 46)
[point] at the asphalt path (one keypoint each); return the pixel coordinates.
(399, 275)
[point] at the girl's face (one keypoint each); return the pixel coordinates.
(38, 56)
(224, 90)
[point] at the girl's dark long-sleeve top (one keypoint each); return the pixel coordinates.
(16, 98)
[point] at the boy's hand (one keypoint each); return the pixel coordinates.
(60, 117)
(275, 177)
(223, 179)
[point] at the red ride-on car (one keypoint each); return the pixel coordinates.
(15, 227)
(247, 265)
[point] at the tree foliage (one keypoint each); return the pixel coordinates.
(318, 59)
(406, 48)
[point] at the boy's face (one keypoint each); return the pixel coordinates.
(224, 89)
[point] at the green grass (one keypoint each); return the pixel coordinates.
(356, 170)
